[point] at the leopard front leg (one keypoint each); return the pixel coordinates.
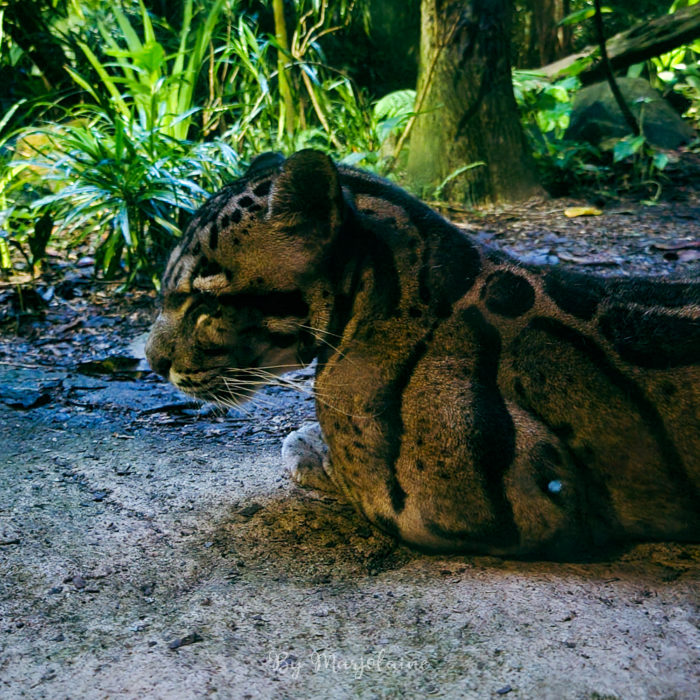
(305, 455)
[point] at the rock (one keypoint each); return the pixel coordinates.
(23, 399)
(250, 510)
(596, 117)
(191, 638)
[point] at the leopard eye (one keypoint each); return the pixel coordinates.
(176, 299)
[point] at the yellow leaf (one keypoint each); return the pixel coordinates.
(571, 212)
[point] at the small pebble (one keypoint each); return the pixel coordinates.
(191, 638)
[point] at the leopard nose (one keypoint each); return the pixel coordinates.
(159, 361)
(162, 366)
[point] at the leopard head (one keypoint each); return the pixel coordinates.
(245, 288)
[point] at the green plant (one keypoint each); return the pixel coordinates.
(437, 192)
(330, 113)
(119, 172)
(123, 186)
(19, 227)
(545, 106)
(142, 81)
(391, 117)
(679, 70)
(564, 164)
(545, 109)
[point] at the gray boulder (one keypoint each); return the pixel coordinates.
(596, 116)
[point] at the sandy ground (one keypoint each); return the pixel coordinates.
(149, 556)
(153, 550)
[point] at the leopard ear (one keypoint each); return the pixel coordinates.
(270, 160)
(308, 192)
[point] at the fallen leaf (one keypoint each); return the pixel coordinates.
(676, 245)
(117, 365)
(573, 212)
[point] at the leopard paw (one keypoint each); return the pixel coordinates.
(305, 455)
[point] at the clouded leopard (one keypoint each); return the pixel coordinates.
(467, 401)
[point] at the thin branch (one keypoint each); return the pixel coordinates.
(614, 87)
(319, 111)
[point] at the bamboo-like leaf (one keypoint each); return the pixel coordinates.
(581, 15)
(121, 224)
(8, 115)
(184, 33)
(106, 79)
(130, 35)
(456, 173)
(77, 78)
(148, 33)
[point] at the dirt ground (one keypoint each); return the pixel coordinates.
(152, 549)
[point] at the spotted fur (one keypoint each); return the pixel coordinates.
(468, 401)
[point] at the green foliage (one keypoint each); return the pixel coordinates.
(545, 106)
(158, 117)
(679, 70)
(631, 160)
(120, 174)
(392, 112)
(582, 15)
(545, 111)
(564, 164)
(144, 82)
(120, 185)
(437, 193)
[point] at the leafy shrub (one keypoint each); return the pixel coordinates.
(120, 172)
(119, 185)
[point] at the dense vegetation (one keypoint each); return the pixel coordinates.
(119, 117)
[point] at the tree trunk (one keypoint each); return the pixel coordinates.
(467, 112)
(552, 41)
